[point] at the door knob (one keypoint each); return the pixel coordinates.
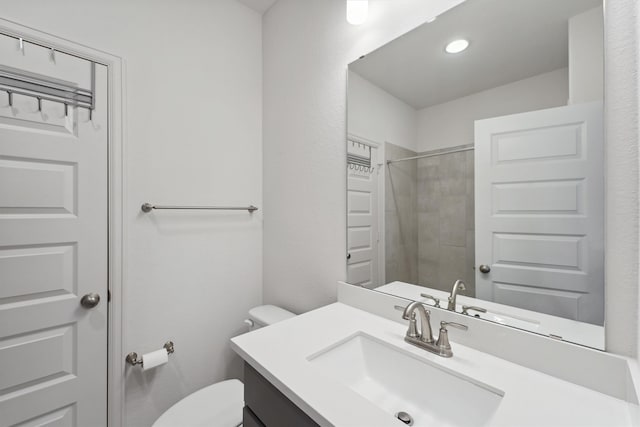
(90, 300)
(484, 269)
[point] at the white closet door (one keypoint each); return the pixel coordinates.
(53, 250)
(362, 225)
(540, 211)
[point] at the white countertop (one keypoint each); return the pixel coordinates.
(279, 352)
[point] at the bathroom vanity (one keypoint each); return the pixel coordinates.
(475, 191)
(265, 405)
(343, 366)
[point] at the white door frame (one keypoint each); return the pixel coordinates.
(117, 204)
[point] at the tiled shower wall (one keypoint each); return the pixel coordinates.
(446, 236)
(401, 216)
(429, 219)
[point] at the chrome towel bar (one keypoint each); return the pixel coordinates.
(148, 207)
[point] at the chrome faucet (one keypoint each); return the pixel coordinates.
(458, 286)
(424, 337)
(426, 334)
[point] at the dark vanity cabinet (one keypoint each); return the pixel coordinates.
(266, 406)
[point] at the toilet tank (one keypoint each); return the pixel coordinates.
(266, 315)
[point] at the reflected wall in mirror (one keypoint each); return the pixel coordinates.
(485, 166)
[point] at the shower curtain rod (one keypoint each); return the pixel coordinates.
(439, 153)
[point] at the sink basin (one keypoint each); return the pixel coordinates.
(398, 381)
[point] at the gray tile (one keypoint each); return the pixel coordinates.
(470, 160)
(453, 186)
(451, 266)
(454, 164)
(391, 269)
(429, 167)
(470, 277)
(453, 221)
(428, 196)
(401, 225)
(470, 212)
(428, 274)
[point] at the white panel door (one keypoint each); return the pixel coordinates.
(53, 250)
(539, 192)
(362, 225)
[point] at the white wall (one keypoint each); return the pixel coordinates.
(193, 136)
(586, 56)
(622, 54)
(452, 123)
(307, 46)
(375, 114)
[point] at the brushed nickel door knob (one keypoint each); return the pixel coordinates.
(90, 300)
(484, 269)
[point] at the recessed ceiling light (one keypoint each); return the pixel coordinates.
(457, 46)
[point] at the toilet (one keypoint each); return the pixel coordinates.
(220, 404)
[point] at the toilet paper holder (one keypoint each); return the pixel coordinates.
(133, 359)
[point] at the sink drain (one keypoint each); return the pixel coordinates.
(405, 418)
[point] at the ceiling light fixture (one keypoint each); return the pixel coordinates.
(457, 46)
(357, 11)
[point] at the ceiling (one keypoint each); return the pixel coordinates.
(510, 40)
(260, 6)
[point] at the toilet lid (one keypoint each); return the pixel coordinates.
(218, 405)
(269, 314)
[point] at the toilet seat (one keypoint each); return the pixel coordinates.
(218, 405)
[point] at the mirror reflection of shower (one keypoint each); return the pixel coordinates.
(429, 221)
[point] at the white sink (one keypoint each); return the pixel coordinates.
(396, 381)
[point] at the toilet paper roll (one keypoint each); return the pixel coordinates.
(154, 359)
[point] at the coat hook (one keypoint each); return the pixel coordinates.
(66, 110)
(39, 104)
(21, 45)
(52, 55)
(90, 114)
(10, 94)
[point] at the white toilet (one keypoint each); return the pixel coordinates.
(220, 404)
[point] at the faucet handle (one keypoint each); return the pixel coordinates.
(434, 299)
(444, 347)
(443, 325)
(465, 309)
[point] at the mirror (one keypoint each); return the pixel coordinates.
(484, 166)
